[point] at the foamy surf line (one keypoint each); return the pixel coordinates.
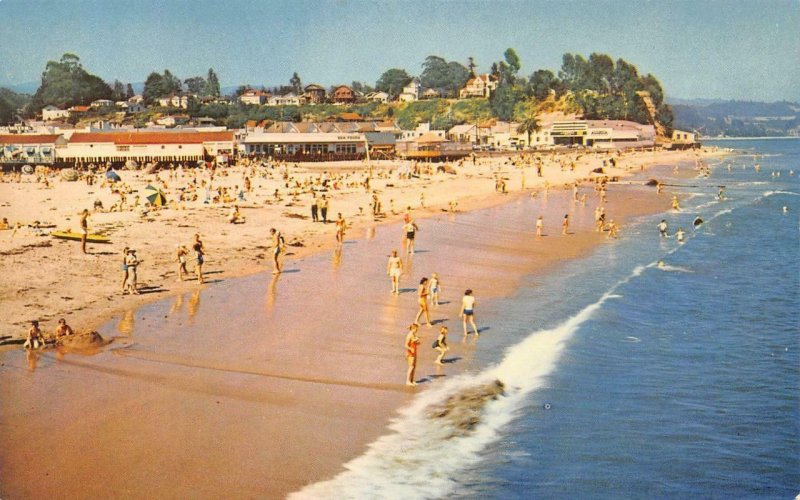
(445, 428)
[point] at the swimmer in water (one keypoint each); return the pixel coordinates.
(680, 234)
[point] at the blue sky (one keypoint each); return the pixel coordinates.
(735, 49)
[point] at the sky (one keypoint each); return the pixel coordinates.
(732, 49)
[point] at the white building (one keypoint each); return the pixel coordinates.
(606, 134)
(315, 145)
(379, 96)
(29, 148)
(50, 113)
(102, 103)
(144, 146)
(290, 99)
(478, 86)
(410, 92)
(252, 96)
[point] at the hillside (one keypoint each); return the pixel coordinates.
(739, 118)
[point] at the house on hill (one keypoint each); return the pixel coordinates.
(50, 113)
(379, 96)
(343, 95)
(314, 94)
(252, 96)
(410, 92)
(478, 86)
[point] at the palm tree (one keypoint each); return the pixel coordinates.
(529, 125)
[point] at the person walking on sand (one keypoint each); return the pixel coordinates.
(440, 344)
(434, 287)
(341, 225)
(278, 247)
(132, 262)
(412, 348)
(394, 269)
(422, 299)
(84, 229)
(314, 207)
(565, 225)
(125, 270)
(410, 229)
(323, 209)
(181, 256)
(199, 252)
(467, 312)
(539, 226)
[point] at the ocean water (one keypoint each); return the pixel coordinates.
(622, 377)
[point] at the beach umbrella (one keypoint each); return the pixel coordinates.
(113, 176)
(69, 175)
(131, 164)
(155, 196)
(27, 169)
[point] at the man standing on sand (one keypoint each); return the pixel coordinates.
(314, 207)
(278, 247)
(410, 229)
(84, 229)
(323, 209)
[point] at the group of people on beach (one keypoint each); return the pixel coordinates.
(36, 339)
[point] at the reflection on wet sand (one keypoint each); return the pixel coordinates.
(33, 359)
(125, 325)
(337, 258)
(177, 304)
(194, 303)
(272, 292)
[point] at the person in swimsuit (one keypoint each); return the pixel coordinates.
(412, 346)
(394, 269)
(278, 247)
(132, 262)
(410, 228)
(434, 287)
(467, 312)
(341, 225)
(125, 270)
(35, 338)
(662, 228)
(199, 252)
(181, 254)
(84, 229)
(679, 234)
(565, 225)
(539, 226)
(422, 298)
(441, 345)
(63, 329)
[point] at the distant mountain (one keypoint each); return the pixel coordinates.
(23, 88)
(713, 118)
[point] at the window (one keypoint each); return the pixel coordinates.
(345, 148)
(123, 148)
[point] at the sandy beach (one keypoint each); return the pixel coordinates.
(284, 378)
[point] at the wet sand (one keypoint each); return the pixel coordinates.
(258, 386)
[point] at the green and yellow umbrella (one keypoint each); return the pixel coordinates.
(155, 196)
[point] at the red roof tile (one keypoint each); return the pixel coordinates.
(28, 138)
(152, 137)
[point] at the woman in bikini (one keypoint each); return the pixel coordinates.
(422, 297)
(412, 346)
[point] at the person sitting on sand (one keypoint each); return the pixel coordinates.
(394, 269)
(441, 345)
(4, 224)
(412, 346)
(63, 329)
(467, 312)
(35, 338)
(235, 216)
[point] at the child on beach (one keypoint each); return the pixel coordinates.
(35, 338)
(467, 312)
(539, 226)
(440, 344)
(199, 252)
(422, 299)
(394, 269)
(132, 262)
(434, 287)
(63, 329)
(181, 255)
(412, 345)
(565, 225)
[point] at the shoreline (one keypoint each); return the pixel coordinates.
(144, 357)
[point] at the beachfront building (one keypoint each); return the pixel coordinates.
(343, 95)
(50, 113)
(29, 149)
(146, 146)
(252, 96)
(682, 139)
(431, 146)
(478, 86)
(607, 134)
(314, 93)
(306, 146)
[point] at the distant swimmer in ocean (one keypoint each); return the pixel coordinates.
(721, 193)
(412, 348)
(679, 234)
(675, 203)
(422, 299)
(440, 344)
(467, 312)
(394, 269)
(661, 264)
(662, 228)
(698, 221)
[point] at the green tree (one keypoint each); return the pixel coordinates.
(157, 86)
(129, 91)
(542, 82)
(196, 85)
(296, 83)
(118, 91)
(471, 66)
(392, 81)
(212, 84)
(65, 83)
(503, 101)
(6, 112)
(530, 125)
(439, 74)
